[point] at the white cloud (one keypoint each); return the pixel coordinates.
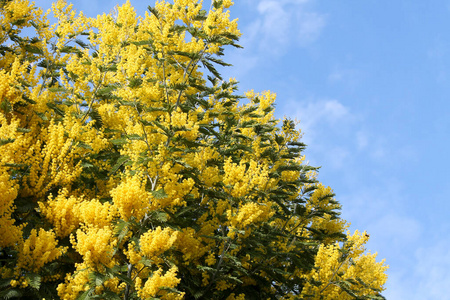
(362, 139)
(431, 268)
(315, 115)
(336, 157)
(281, 24)
(425, 276)
(309, 27)
(348, 77)
(326, 126)
(398, 231)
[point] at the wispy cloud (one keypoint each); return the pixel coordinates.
(349, 77)
(316, 115)
(284, 23)
(424, 276)
(431, 268)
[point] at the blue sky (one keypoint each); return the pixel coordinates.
(369, 82)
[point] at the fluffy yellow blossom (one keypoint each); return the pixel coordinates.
(68, 213)
(250, 213)
(60, 212)
(242, 179)
(152, 287)
(131, 199)
(189, 244)
(74, 284)
(334, 263)
(10, 234)
(95, 213)
(222, 285)
(133, 255)
(96, 245)
(8, 80)
(234, 297)
(39, 249)
(155, 242)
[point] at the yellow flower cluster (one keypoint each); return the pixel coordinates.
(242, 179)
(131, 199)
(8, 80)
(95, 213)
(96, 245)
(74, 284)
(250, 213)
(155, 242)
(67, 213)
(15, 11)
(175, 187)
(209, 175)
(60, 213)
(190, 245)
(222, 285)
(10, 234)
(152, 287)
(68, 24)
(322, 200)
(234, 297)
(188, 121)
(39, 249)
(217, 22)
(133, 255)
(348, 262)
(51, 159)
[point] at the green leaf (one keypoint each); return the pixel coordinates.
(6, 106)
(86, 295)
(97, 278)
(56, 109)
(109, 295)
(26, 98)
(6, 141)
(70, 49)
(5, 283)
(96, 117)
(106, 91)
(249, 110)
(33, 49)
(218, 61)
(160, 216)
(23, 130)
(15, 165)
(121, 229)
(121, 161)
(86, 165)
(159, 194)
(81, 43)
(211, 68)
(154, 11)
(189, 55)
(143, 43)
(217, 3)
(135, 137)
(83, 145)
(118, 142)
(124, 278)
(34, 280)
(135, 82)
(162, 127)
(11, 293)
(179, 86)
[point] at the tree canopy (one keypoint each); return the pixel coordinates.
(130, 169)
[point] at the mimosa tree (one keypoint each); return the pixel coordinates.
(129, 169)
